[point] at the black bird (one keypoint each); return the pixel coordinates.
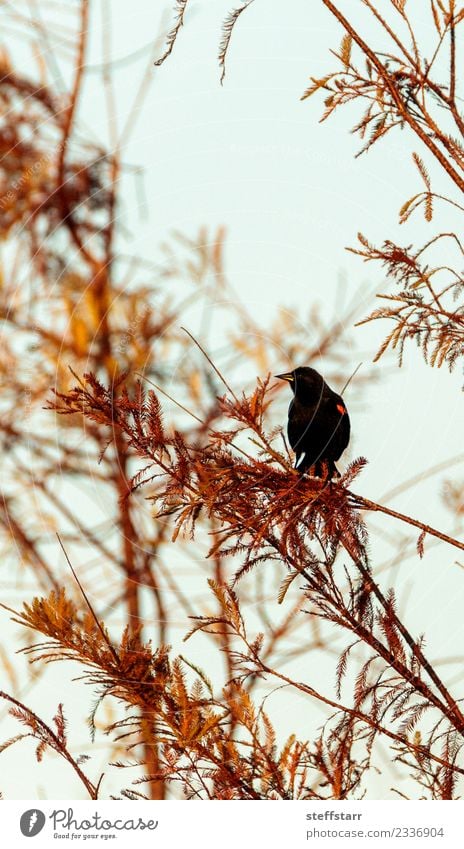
(318, 422)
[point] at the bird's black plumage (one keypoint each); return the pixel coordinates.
(318, 422)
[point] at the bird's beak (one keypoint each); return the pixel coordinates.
(287, 376)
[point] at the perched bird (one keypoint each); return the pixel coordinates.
(318, 422)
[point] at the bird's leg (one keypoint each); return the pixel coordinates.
(313, 471)
(332, 473)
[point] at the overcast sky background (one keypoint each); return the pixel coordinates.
(251, 156)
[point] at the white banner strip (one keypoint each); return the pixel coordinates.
(238, 825)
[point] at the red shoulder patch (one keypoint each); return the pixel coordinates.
(341, 409)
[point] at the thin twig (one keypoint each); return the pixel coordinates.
(94, 616)
(366, 504)
(221, 377)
